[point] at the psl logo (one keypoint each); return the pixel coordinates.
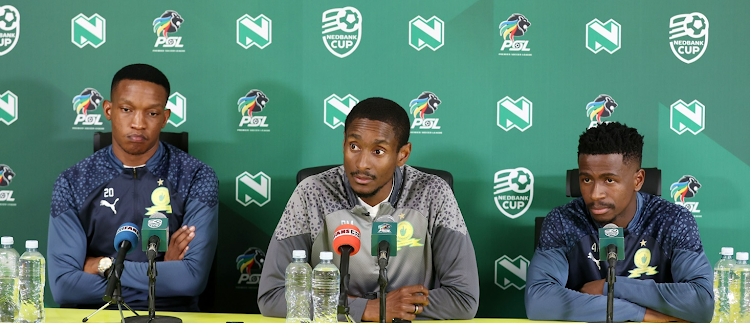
(516, 25)
(604, 36)
(250, 265)
(427, 33)
(687, 117)
(88, 100)
(253, 101)
(254, 31)
(425, 103)
(511, 272)
(335, 109)
(177, 103)
(514, 114)
(601, 107)
(514, 191)
(253, 189)
(688, 36)
(6, 176)
(687, 186)
(342, 30)
(88, 30)
(169, 22)
(10, 28)
(8, 107)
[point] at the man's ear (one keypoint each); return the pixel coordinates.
(639, 178)
(403, 154)
(107, 106)
(167, 113)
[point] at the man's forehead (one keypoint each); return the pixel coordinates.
(373, 129)
(612, 163)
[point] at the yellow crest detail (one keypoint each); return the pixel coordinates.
(405, 233)
(160, 198)
(642, 259)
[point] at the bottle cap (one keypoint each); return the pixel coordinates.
(299, 254)
(32, 244)
(727, 251)
(742, 256)
(6, 240)
(326, 255)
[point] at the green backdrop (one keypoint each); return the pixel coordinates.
(541, 82)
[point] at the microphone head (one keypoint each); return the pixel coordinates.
(346, 235)
(385, 218)
(158, 215)
(610, 225)
(127, 232)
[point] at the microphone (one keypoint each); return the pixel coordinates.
(611, 244)
(612, 237)
(384, 241)
(126, 237)
(346, 242)
(156, 228)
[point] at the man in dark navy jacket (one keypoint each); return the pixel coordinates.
(665, 275)
(134, 178)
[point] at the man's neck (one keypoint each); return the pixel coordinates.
(129, 160)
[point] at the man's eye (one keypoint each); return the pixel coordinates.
(379, 151)
(353, 147)
(587, 180)
(609, 180)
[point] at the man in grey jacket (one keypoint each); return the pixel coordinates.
(435, 273)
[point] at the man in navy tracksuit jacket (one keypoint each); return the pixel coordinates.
(134, 178)
(665, 275)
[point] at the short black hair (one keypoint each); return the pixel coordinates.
(140, 72)
(383, 110)
(612, 138)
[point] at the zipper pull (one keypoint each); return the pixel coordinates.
(135, 175)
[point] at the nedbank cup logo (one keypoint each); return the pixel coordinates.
(169, 22)
(253, 189)
(88, 30)
(688, 36)
(253, 101)
(686, 187)
(425, 103)
(602, 107)
(8, 107)
(687, 117)
(177, 103)
(88, 100)
(514, 191)
(342, 30)
(10, 28)
(515, 26)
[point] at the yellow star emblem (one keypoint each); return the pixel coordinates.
(160, 182)
(643, 243)
(402, 216)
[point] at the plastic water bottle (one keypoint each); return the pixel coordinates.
(325, 290)
(298, 289)
(741, 289)
(8, 281)
(31, 274)
(723, 279)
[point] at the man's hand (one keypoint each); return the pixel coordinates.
(593, 287)
(91, 265)
(178, 243)
(401, 303)
(654, 316)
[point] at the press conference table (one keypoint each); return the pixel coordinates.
(67, 315)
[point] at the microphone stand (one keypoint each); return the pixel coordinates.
(610, 293)
(153, 246)
(384, 251)
(343, 307)
(116, 298)
(151, 288)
